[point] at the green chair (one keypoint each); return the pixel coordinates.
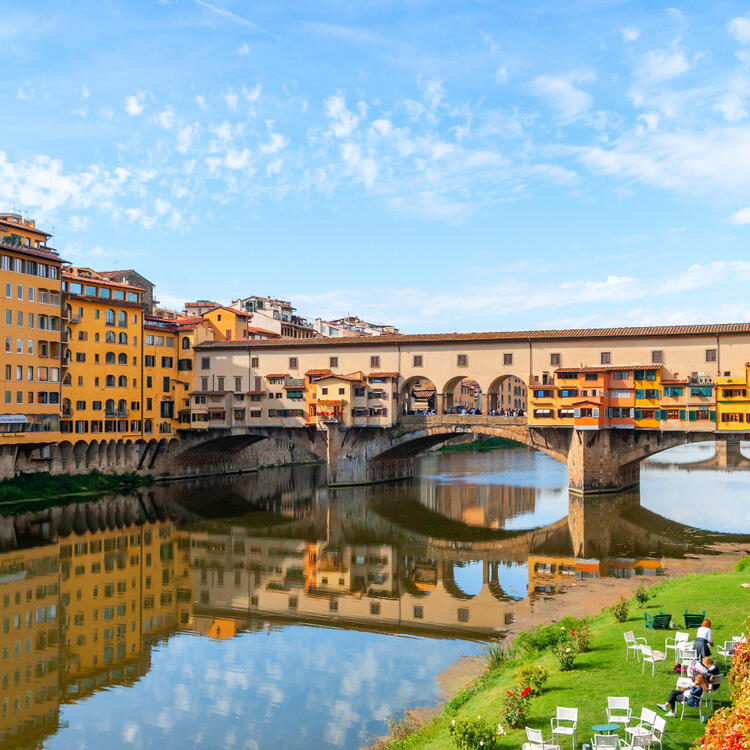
(694, 621)
(657, 622)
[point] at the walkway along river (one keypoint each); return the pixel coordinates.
(267, 610)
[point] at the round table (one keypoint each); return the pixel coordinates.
(608, 728)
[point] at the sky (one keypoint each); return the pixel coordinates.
(435, 165)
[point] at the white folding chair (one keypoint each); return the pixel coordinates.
(536, 741)
(618, 710)
(687, 652)
(637, 741)
(651, 657)
(645, 725)
(657, 733)
(714, 686)
(703, 698)
(725, 649)
(565, 723)
(605, 741)
(633, 644)
(673, 644)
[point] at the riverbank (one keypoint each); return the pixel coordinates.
(481, 446)
(602, 671)
(41, 487)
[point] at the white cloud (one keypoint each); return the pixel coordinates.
(630, 33)
(185, 138)
(25, 94)
(363, 168)
(660, 65)
(343, 121)
(85, 93)
(134, 104)
(201, 102)
(560, 93)
(235, 159)
(276, 143)
(243, 49)
(161, 206)
(252, 95)
(741, 217)
(231, 99)
(732, 102)
(79, 223)
(166, 118)
(502, 75)
(739, 28)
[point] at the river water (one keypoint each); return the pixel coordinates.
(267, 611)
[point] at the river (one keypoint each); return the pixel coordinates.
(267, 611)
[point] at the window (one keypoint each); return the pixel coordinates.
(463, 615)
(205, 363)
(292, 363)
(109, 317)
(418, 612)
(333, 362)
(710, 355)
(254, 362)
(166, 362)
(462, 360)
(605, 358)
(374, 608)
(185, 342)
(507, 359)
(554, 359)
(238, 383)
(374, 361)
(657, 356)
(417, 360)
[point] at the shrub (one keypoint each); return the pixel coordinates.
(495, 656)
(532, 676)
(470, 734)
(743, 565)
(581, 637)
(641, 596)
(515, 708)
(739, 673)
(566, 655)
(621, 609)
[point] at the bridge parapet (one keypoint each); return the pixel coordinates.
(435, 420)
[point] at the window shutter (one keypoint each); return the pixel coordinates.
(577, 413)
(712, 416)
(639, 393)
(595, 412)
(637, 413)
(682, 414)
(692, 416)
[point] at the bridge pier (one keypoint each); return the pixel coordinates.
(595, 463)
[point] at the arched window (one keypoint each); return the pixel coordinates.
(66, 407)
(122, 406)
(122, 338)
(110, 317)
(68, 333)
(122, 358)
(110, 381)
(185, 342)
(109, 358)
(110, 337)
(67, 380)
(122, 381)
(109, 406)
(68, 311)
(122, 319)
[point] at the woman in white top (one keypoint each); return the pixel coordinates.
(703, 640)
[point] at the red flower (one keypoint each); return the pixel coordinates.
(572, 632)
(525, 692)
(509, 692)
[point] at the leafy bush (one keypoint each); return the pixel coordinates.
(581, 637)
(566, 653)
(641, 596)
(515, 708)
(743, 565)
(532, 676)
(621, 609)
(471, 734)
(739, 673)
(495, 656)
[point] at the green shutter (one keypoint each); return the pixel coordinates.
(639, 392)
(682, 414)
(712, 416)
(637, 413)
(692, 416)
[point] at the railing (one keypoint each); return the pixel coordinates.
(417, 420)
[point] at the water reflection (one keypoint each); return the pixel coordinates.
(217, 584)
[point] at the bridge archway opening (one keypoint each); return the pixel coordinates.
(462, 393)
(507, 393)
(418, 394)
(468, 577)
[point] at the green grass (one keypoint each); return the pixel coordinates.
(603, 671)
(43, 488)
(481, 446)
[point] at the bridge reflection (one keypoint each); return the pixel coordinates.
(89, 589)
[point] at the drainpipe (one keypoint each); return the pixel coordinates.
(718, 356)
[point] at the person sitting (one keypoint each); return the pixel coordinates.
(705, 667)
(690, 696)
(703, 640)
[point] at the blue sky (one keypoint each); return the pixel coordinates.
(436, 165)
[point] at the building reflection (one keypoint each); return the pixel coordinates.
(88, 590)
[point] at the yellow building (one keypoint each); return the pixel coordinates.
(161, 387)
(30, 285)
(732, 402)
(102, 387)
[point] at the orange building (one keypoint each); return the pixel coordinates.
(30, 285)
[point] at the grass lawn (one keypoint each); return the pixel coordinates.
(603, 671)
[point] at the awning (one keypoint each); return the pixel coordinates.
(13, 419)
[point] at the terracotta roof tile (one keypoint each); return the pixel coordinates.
(383, 375)
(609, 368)
(712, 329)
(318, 373)
(277, 375)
